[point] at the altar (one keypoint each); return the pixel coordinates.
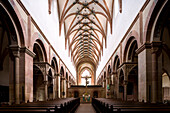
(96, 91)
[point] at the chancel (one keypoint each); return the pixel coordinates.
(84, 56)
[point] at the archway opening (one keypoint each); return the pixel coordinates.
(132, 59)
(76, 94)
(50, 85)
(165, 88)
(38, 84)
(62, 81)
(115, 77)
(121, 85)
(38, 76)
(6, 58)
(132, 86)
(4, 66)
(95, 94)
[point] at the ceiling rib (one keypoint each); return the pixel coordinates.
(86, 22)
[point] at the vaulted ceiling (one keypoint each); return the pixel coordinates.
(85, 23)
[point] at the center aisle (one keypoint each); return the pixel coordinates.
(85, 108)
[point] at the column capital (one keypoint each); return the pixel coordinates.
(155, 47)
(53, 77)
(143, 47)
(63, 78)
(45, 82)
(15, 50)
(28, 51)
(114, 72)
(57, 74)
(125, 82)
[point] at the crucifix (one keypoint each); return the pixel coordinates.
(87, 82)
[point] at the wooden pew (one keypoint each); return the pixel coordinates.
(102, 105)
(68, 105)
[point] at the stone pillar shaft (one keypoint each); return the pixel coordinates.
(54, 88)
(17, 80)
(46, 90)
(107, 83)
(154, 79)
(154, 88)
(16, 52)
(104, 83)
(58, 88)
(64, 88)
(61, 91)
(125, 90)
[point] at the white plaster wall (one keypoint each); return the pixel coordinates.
(49, 24)
(121, 23)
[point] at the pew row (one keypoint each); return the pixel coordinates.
(68, 105)
(102, 105)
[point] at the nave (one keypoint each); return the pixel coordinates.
(67, 56)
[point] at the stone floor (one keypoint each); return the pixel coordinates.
(85, 108)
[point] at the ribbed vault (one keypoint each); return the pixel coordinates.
(85, 23)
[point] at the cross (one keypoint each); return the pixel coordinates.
(86, 78)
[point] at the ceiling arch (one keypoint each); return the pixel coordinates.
(85, 24)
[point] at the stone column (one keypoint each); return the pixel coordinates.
(16, 52)
(112, 76)
(58, 88)
(104, 83)
(46, 90)
(107, 83)
(154, 88)
(57, 84)
(125, 89)
(54, 87)
(104, 86)
(17, 79)
(67, 86)
(114, 84)
(70, 84)
(64, 87)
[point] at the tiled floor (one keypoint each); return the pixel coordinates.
(85, 108)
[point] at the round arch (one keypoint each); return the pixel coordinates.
(42, 48)
(156, 14)
(121, 86)
(62, 71)
(128, 48)
(116, 63)
(90, 72)
(12, 39)
(54, 64)
(14, 26)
